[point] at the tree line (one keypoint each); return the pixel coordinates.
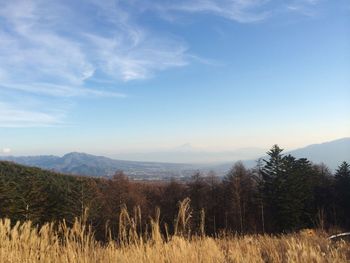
(281, 194)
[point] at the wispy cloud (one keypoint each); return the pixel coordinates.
(128, 59)
(59, 49)
(42, 41)
(71, 43)
(11, 117)
(57, 90)
(242, 11)
(304, 7)
(65, 48)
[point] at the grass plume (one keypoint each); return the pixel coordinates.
(50, 243)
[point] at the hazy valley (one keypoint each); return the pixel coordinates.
(329, 153)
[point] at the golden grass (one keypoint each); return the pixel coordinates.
(24, 242)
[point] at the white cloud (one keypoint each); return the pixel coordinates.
(6, 150)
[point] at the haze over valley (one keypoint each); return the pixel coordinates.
(329, 153)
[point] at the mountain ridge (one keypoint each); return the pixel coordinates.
(332, 153)
(79, 163)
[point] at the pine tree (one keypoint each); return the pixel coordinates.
(296, 198)
(287, 191)
(270, 186)
(342, 187)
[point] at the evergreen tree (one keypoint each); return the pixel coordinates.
(287, 191)
(342, 187)
(295, 200)
(270, 186)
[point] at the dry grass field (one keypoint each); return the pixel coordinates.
(25, 243)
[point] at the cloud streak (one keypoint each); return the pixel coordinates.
(11, 117)
(56, 90)
(242, 11)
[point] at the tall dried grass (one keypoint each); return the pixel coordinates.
(24, 242)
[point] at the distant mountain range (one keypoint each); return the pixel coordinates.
(92, 165)
(331, 153)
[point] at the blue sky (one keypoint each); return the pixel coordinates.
(109, 76)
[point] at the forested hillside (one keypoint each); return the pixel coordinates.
(281, 194)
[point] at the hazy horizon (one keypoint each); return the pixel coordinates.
(187, 154)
